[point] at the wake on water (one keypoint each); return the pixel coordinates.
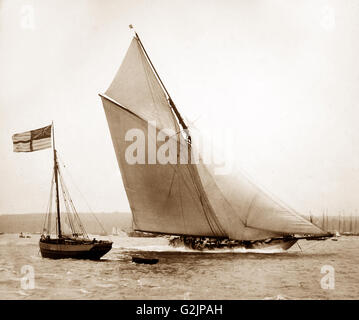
(183, 249)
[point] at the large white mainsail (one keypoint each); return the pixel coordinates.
(163, 197)
(184, 199)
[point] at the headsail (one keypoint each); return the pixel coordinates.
(248, 212)
(183, 198)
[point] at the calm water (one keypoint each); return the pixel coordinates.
(181, 275)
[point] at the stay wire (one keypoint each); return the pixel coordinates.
(81, 194)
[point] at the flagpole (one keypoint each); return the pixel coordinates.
(56, 182)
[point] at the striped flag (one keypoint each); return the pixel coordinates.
(33, 140)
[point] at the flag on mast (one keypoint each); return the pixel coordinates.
(33, 140)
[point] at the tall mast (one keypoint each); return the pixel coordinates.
(169, 99)
(56, 183)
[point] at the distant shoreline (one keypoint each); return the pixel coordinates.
(33, 222)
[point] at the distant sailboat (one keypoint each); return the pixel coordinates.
(114, 231)
(310, 217)
(355, 223)
(186, 199)
(340, 223)
(72, 244)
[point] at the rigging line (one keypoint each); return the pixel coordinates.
(250, 208)
(193, 170)
(212, 224)
(83, 197)
(180, 196)
(269, 195)
(299, 246)
(201, 163)
(199, 197)
(225, 199)
(178, 132)
(47, 214)
(148, 81)
(153, 92)
(126, 109)
(315, 244)
(165, 203)
(51, 203)
(195, 197)
(66, 197)
(77, 225)
(205, 203)
(170, 188)
(172, 106)
(177, 170)
(152, 66)
(68, 213)
(189, 127)
(75, 215)
(122, 107)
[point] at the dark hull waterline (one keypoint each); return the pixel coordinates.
(144, 260)
(271, 245)
(91, 251)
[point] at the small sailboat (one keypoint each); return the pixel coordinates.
(115, 231)
(75, 242)
(185, 198)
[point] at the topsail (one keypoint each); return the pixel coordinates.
(180, 197)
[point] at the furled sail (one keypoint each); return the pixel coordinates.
(179, 197)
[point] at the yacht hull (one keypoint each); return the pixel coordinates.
(66, 250)
(269, 246)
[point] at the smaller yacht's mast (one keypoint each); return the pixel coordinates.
(56, 183)
(170, 101)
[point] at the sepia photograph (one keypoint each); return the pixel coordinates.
(179, 151)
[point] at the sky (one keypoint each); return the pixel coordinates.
(282, 77)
